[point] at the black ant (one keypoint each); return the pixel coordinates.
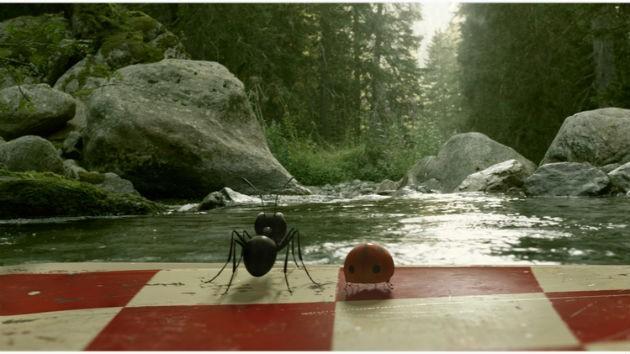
(259, 252)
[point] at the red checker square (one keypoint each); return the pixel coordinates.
(595, 315)
(297, 326)
(421, 282)
(32, 293)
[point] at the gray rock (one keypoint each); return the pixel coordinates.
(226, 197)
(71, 169)
(608, 168)
(72, 145)
(190, 207)
(620, 178)
(567, 179)
(31, 153)
(461, 156)
(387, 187)
(76, 124)
(33, 110)
(114, 184)
(500, 177)
(86, 75)
(599, 137)
(178, 127)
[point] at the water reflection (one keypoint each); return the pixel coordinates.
(417, 229)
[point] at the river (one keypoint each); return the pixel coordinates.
(418, 229)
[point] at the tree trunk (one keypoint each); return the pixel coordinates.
(603, 52)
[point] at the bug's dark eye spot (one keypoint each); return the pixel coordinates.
(376, 268)
(351, 269)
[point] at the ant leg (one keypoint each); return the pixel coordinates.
(286, 278)
(232, 241)
(247, 234)
(293, 253)
(235, 265)
(297, 233)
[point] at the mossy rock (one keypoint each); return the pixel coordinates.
(125, 37)
(37, 49)
(32, 195)
(91, 177)
(84, 76)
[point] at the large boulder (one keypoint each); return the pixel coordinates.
(501, 178)
(177, 128)
(599, 137)
(567, 179)
(33, 110)
(461, 156)
(620, 178)
(31, 153)
(36, 49)
(34, 194)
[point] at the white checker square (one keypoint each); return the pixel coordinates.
(60, 330)
(582, 278)
(487, 322)
(609, 346)
(189, 287)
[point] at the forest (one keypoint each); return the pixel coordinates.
(341, 94)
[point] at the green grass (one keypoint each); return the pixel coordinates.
(316, 164)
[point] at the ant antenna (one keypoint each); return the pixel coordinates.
(277, 194)
(256, 190)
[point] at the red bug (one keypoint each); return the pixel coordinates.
(368, 263)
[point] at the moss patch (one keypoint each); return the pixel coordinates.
(41, 47)
(124, 37)
(32, 194)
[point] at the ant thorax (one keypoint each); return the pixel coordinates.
(273, 226)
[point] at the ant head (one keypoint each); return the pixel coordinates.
(273, 225)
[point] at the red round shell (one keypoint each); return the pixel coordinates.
(368, 263)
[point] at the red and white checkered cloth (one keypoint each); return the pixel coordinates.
(170, 307)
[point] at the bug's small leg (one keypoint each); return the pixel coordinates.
(293, 253)
(247, 234)
(235, 265)
(229, 257)
(297, 234)
(390, 285)
(286, 261)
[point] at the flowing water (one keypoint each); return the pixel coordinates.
(420, 229)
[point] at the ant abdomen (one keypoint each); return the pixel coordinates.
(259, 255)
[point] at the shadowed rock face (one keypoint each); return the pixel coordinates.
(461, 156)
(620, 178)
(567, 179)
(179, 128)
(599, 137)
